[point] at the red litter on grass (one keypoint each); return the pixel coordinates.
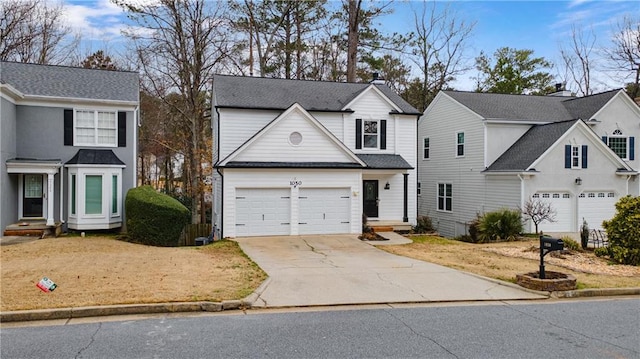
(46, 285)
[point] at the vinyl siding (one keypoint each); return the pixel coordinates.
(237, 126)
(370, 106)
(8, 184)
(464, 173)
(274, 145)
(499, 137)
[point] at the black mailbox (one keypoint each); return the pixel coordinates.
(548, 244)
(551, 244)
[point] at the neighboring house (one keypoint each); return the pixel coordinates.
(481, 152)
(68, 145)
(308, 157)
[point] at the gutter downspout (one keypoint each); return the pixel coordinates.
(522, 194)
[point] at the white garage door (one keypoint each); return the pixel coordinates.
(561, 203)
(596, 207)
(263, 211)
(324, 210)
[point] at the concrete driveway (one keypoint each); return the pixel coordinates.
(341, 269)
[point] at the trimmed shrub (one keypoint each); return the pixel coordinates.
(570, 244)
(474, 229)
(504, 224)
(423, 225)
(623, 232)
(154, 218)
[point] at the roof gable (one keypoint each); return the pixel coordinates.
(47, 81)
(280, 94)
(586, 107)
(372, 89)
(530, 147)
(278, 143)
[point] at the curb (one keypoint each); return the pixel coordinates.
(246, 303)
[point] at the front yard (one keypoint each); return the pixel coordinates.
(102, 270)
(506, 259)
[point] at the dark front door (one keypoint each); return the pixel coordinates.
(32, 196)
(370, 198)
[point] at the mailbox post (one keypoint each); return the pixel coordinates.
(548, 244)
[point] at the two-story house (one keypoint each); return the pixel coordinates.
(67, 146)
(299, 157)
(481, 152)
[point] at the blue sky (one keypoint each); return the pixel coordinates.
(538, 25)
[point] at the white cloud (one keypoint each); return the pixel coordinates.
(95, 20)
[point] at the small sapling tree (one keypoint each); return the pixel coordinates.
(538, 211)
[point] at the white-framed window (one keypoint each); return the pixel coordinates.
(95, 128)
(459, 144)
(575, 157)
(95, 197)
(445, 197)
(425, 148)
(419, 189)
(619, 143)
(370, 134)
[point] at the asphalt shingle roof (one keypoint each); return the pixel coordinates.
(95, 157)
(530, 146)
(384, 161)
(71, 82)
(280, 94)
(585, 107)
(514, 107)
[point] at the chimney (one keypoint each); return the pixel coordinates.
(561, 91)
(377, 80)
(558, 87)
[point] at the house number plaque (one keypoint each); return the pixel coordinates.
(295, 183)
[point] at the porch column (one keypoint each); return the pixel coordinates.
(50, 197)
(405, 217)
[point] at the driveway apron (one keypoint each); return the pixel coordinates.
(341, 269)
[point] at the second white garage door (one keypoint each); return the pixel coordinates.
(263, 211)
(596, 207)
(324, 210)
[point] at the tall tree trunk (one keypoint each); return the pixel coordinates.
(352, 39)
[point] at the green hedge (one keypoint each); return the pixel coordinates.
(623, 232)
(154, 218)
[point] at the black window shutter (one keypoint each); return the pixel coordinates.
(122, 129)
(358, 133)
(567, 156)
(584, 156)
(383, 134)
(68, 127)
(632, 148)
(604, 139)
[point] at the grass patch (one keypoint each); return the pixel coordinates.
(102, 271)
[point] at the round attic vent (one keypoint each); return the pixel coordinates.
(295, 138)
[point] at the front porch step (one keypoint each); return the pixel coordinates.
(382, 228)
(33, 229)
(389, 226)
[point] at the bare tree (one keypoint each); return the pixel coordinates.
(34, 31)
(438, 50)
(578, 60)
(178, 46)
(538, 211)
(625, 52)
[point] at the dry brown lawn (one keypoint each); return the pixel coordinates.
(101, 271)
(505, 260)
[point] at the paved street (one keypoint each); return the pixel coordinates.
(341, 269)
(596, 328)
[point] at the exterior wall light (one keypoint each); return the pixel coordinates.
(578, 181)
(387, 186)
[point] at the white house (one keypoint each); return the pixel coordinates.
(481, 152)
(309, 157)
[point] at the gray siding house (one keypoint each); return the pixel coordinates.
(480, 152)
(68, 146)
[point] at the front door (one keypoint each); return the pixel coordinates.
(370, 198)
(32, 202)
